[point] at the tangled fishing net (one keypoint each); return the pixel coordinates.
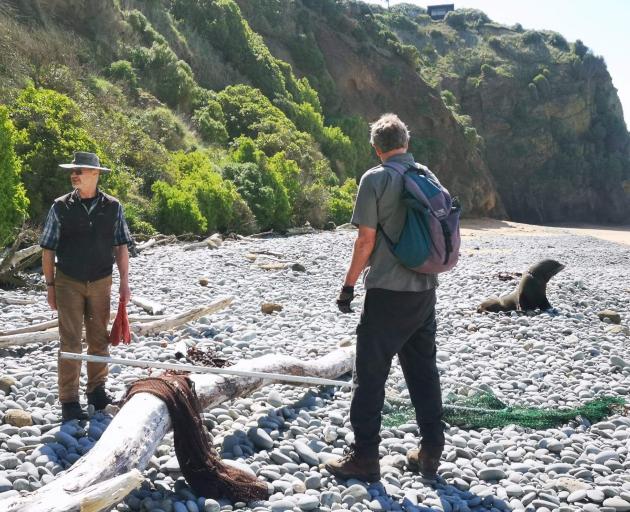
(485, 410)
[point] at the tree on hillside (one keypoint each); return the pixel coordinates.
(13, 200)
(50, 129)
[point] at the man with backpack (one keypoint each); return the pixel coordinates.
(398, 315)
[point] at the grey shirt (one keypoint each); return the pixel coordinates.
(379, 202)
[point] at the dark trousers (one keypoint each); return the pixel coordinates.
(393, 323)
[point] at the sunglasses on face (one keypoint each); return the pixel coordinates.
(78, 172)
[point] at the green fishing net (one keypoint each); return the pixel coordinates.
(485, 410)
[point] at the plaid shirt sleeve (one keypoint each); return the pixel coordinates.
(50, 234)
(122, 235)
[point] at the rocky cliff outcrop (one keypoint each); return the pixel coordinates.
(554, 145)
(555, 139)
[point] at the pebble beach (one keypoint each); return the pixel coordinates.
(284, 433)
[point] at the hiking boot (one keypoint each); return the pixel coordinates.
(359, 463)
(72, 411)
(425, 460)
(99, 398)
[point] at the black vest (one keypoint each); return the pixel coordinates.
(85, 251)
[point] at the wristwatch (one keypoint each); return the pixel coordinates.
(52, 283)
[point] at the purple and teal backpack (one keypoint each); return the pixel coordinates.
(429, 241)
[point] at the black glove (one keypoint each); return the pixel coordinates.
(345, 298)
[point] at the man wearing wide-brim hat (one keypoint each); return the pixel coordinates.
(85, 232)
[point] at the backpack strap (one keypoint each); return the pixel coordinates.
(400, 169)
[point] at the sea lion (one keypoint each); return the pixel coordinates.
(531, 291)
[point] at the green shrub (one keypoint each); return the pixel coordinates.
(532, 38)
(289, 173)
(306, 53)
(209, 121)
(51, 128)
(169, 78)
(214, 203)
(143, 27)
(558, 41)
(496, 44)
(249, 112)
(245, 151)
(135, 216)
(488, 71)
(164, 126)
(449, 99)
(358, 130)
(580, 49)
(13, 200)
(456, 19)
(176, 210)
(337, 146)
(341, 202)
(215, 196)
(264, 193)
(123, 70)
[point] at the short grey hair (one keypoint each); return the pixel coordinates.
(388, 133)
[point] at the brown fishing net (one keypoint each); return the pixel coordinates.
(200, 464)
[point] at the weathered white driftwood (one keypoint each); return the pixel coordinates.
(171, 321)
(136, 431)
(97, 497)
(212, 242)
(42, 326)
(51, 324)
(158, 240)
(27, 338)
(146, 245)
(24, 254)
(6, 257)
(15, 301)
(150, 306)
(144, 327)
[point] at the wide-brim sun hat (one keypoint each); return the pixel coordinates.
(85, 160)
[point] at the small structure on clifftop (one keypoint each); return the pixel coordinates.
(438, 12)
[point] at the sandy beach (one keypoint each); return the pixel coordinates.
(476, 227)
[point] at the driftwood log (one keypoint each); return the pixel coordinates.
(50, 324)
(23, 255)
(212, 242)
(150, 306)
(15, 301)
(158, 240)
(134, 434)
(6, 259)
(152, 326)
(14, 261)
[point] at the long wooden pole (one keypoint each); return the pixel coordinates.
(316, 381)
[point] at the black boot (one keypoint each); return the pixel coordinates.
(360, 463)
(99, 398)
(425, 460)
(72, 411)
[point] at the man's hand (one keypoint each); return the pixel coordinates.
(345, 298)
(124, 293)
(52, 298)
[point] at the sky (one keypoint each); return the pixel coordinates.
(603, 26)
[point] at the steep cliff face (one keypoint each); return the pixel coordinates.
(363, 77)
(555, 140)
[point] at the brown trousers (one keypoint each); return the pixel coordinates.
(79, 302)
